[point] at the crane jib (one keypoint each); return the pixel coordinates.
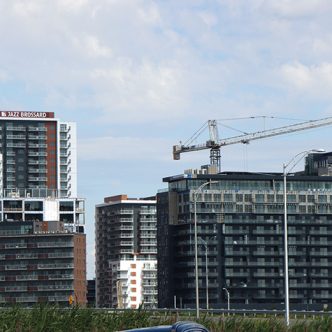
(214, 143)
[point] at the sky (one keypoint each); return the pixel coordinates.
(138, 76)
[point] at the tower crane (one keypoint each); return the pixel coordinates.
(214, 143)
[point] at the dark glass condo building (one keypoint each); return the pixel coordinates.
(240, 231)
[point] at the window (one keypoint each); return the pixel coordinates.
(311, 198)
(302, 198)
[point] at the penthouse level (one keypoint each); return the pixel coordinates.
(40, 205)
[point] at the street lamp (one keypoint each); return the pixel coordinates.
(287, 168)
(228, 299)
(205, 244)
(196, 192)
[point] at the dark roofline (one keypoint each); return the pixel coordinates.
(231, 175)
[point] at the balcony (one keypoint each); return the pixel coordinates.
(58, 298)
(150, 276)
(15, 245)
(126, 243)
(146, 212)
(16, 289)
(148, 236)
(126, 228)
(54, 287)
(150, 292)
(37, 154)
(148, 251)
(37, 170)
(15, 267)
(60, 276)
(37, 129)
(55, 266)
(12, 209)
(127, 236)
(10, 178)
(126, 251)
(39, 179)
(148, 243)
(149, 268)
(27, 277)
(325, 264)
(60, 255)
(9, 136)
(266, 274)
(125, 212)
(150, 284)
(148, 228)
(16, 145)
(126, 220)
(37, 162)
(36, 146)
(54, 244)
(26, 299)
(15, 128)
(37, 137)
(150, 220)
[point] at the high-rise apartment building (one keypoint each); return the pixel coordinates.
(38, 170)
(126, 250)
(240, 238)
(38, 152)
(41, 262)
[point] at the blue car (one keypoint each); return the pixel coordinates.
(177, 327)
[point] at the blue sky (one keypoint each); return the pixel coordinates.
(139, 76)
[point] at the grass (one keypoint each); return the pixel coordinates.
(54, 319)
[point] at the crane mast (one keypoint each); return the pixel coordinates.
(214, 143)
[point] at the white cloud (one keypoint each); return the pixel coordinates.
(150, 14)
(323, 46)
(143, 61)
(208, 18)
(139, 92)
(27, 8)
(72, 5)
(125, 149)
(3, 75)
(291, 8)
(315, 80)
(95, 48)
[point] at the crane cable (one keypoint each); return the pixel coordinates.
(196, 134)
(205, 125)
(262, 116)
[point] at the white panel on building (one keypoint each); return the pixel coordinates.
(51, 210)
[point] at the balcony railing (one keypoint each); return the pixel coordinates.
(55, 266)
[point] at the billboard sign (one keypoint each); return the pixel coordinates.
(26, 115)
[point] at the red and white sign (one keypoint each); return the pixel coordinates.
(25, 115)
